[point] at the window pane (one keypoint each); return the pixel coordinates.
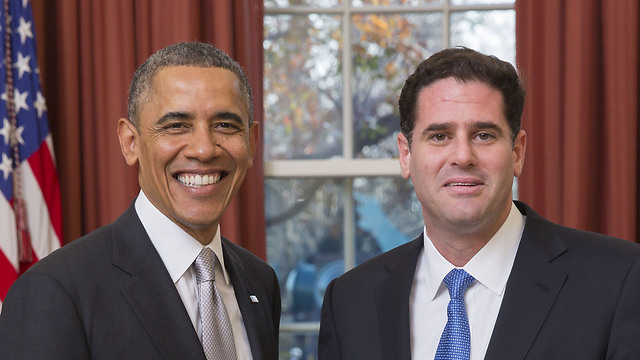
(490, 32)
(306, 232)
(394, 2)
(292, 3)
(298, 346)
(303, 87)
(304, 237)
(386, 49)
(387, 210)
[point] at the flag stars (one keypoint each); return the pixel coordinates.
(6, 131)
(40, 104)
(19, 98)
(22, 64)
(18, 135)
(6, 166)
(24, 30)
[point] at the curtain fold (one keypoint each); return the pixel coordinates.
(579, 60)
(88, 51)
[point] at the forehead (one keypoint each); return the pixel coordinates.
(454, 99)
(175, 85)
(172, 76)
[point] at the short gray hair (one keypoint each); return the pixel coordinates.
(194, 54)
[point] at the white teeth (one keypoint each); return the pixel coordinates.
(198, 180)
(460, 184)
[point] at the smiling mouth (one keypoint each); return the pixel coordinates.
(462, 184)
(197, 180)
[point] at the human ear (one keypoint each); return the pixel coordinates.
(519, 148)
(404, 151)
(254, 134)
(128, 135)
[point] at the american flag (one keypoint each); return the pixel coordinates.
(30, 211)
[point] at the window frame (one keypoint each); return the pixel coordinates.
(348, 168)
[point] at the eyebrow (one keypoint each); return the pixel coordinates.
(476, 125)
(173, 115)
(181, 115)
(227, 115)
(437, 127)
(479, 125)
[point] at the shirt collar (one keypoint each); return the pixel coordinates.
(490, 266)
(178, 250)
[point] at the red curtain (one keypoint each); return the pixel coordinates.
(579, 59)
(88, 51)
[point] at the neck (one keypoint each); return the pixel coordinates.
(460, 247)
(458, 251)
(203, 235)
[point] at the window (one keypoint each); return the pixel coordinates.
(333, 71)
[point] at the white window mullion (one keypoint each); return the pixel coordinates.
(446, 19)
(347, 109)
(349, 227)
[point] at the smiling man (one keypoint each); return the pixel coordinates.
(161, 282)
(488, 278)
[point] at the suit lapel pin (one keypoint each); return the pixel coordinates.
(254, 298)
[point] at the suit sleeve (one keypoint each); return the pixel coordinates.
(624, 340)
(39, 321)
(328, 340)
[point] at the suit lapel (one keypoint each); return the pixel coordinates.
(531, 290)
(253, 313)
(148, 289)
(392, 302)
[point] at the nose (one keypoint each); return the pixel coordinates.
(463, 153)
(202, 145)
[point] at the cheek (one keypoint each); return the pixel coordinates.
(239, 151)
(155, 159)
(427, 161)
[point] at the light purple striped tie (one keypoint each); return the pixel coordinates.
(217, 335)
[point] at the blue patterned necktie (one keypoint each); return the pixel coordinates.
(455, 342)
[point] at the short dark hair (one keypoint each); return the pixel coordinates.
(194, 54)
(464, 65)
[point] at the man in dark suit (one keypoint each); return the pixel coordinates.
(128, 290)
(489, 278)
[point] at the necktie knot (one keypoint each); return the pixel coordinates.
(457, 281)
(204, 266)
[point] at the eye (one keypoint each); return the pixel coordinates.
(227, 127)
(439, 137)
(175, 126)
(485, 136)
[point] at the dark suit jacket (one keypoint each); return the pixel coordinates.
(108, 295)
(571, 295)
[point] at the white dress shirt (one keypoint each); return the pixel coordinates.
(178, 251)
(429, 298)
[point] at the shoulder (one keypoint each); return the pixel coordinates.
(248, 262)
(232, 249)
(93, 252)
(77, 255)
(595, 248)
(64, 275)
(582, 246)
